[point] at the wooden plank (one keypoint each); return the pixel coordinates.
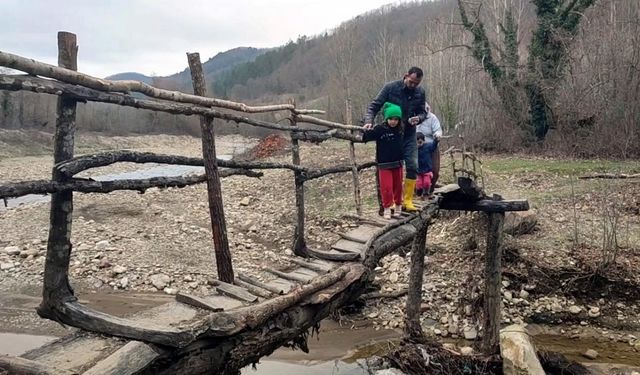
(346, 236)
(129, 359)
(288, 276)
(196, 301)
(281, 284)
(260, 284)
(486, 205)
(348, 246)
(253, 289)
(235, 291)
(362, 233)
(17, 365)
(333, 255)
(311, 264)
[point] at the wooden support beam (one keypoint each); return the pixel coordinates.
(56, 288)
(18, 365)
(214, 191)
(132, 358)
(412, 327)
(347, 237)
(313, 174)
(332, 255)
(235, 291)
(196, 301)
(328, 124)
(253, 289)
(486, 205)
(492, 282)
(260, 284)
(299, 242)
(287, 276)
(310, 265)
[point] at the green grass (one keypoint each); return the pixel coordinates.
(520, 165)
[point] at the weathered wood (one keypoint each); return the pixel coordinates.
(90, 186)
(610, 176)
(380, 232)
(348, 246)
(333, 255)
(328, 124)
(287, 276)
(316, 136)
(366, 220)
(196, 301)
(395, 294)
(412, 327)
(348, 237)
(325, 295)
(259, 284)
(214, 191)
(470, 189)
(78, 164)
(235, 291)
(354, 163)
(56, 288)
(134, 356)
(313, 174)
(22, 366)
(69, 75)
(486, 205)
(224, 324)
(299, 242)
(307, 263)
(253, 289)
(492, 282)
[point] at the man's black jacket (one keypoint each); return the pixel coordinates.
(411, 101)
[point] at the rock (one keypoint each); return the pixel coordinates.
(102, 245)
(505, 283)
(518, 353)
(373, 315)
(437, 332)
(27, 253)
(520, 222)
(12, 250)
(508, 295)
(171, 291)
(6, 266)
(424, 307)
(575, 309)
(160, 280)
(389, 371)
(245, 201)
(590, 354)
(394, 277)
(470, 333)
(117, 270)
(524, 294)
(124, 282)
(466, 350)
(594, 312)
(104, 263)
(188, 278)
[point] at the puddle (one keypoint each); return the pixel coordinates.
(608, 351)
(18, 343)
(165, 170)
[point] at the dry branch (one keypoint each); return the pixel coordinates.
(327, 123)
(313, 174)
(610, 176)
(90, 186)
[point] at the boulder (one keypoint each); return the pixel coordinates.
(518, 353)
(12, 250)
(590, 354)
(160, 280)
(520, 222)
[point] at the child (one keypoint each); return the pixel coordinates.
(389, 156)
(425, 165)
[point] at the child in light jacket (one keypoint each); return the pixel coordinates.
(425, 165)
(389, 156)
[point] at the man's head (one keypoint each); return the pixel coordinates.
(392, 114)
(413, 77)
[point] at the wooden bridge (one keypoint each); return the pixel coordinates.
(245, 318)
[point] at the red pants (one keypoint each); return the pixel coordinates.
(391, 186)
(424, 181)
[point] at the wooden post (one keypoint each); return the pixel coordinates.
(299, 243)
(214, 192)
(56, 288)
(354, 162)
(412, 327)
(492, 283)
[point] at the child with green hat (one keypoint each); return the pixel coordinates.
(389, 156)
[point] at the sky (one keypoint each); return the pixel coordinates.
(152, 36)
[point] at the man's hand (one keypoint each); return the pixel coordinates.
(367, 126)
(415, 120)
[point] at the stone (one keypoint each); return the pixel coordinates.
(160, 280)
(520, 222)
(373, 315)
(508, 295)
(389, 371)
(424, 307)
(575, 309)
(590, 354)
(117, 270)
(27, 253)
(466, 350)
(171, 291)
(104, 263)
(124, 282)
(6, 266)
(437, 332)
(594, 312)
(470, 333)
(12, 250)
(188, 278)
(517, 351)
(102, 245)
(245, 201)
(524, 294)
(394, 277)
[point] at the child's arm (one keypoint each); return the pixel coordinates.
(372, 134)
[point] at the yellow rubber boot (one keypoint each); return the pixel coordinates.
(407, 202)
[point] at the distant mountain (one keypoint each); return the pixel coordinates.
(131, 76)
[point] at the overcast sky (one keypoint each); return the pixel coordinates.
(152, 36)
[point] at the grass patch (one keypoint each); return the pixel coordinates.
(520, 165)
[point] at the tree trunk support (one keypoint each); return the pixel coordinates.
(412, 327)
(299, 243)
(214, 191)
(354, 163)
(56, 288)
(492, 282)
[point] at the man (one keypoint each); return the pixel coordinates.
(408, 94)
(433, 132)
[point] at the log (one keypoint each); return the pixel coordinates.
(412, 327)
(299, 242)
(287, 276)
(309, 265)
(311, 175)
(78, 164)
(225, 324)
(486, 205)
(328, 124)
(332, 255)
(260, 284)
(394, 294)
(347, 237)
(17, 365)
(253, 289)
(235, 292)
(377, 234)
(610, 176)
(56, 288)
(90, 186)
(493, 280)
(214, 191)
(133, 357)
(196, 301)
(315, 136)
(69, 75)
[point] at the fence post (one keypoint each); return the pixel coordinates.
(412, 326)
(492, 282)
(56, 288)
(354, 163)
(299, 243)
(214, 191)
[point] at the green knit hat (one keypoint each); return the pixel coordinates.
(391, 110)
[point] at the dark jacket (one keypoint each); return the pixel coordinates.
(388, 145)
(411, 101)
(425, 164)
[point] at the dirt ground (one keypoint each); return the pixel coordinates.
(578, 270)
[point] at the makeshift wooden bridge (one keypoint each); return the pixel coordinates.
(245, 318)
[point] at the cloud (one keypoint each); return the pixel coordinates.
(152, 36)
